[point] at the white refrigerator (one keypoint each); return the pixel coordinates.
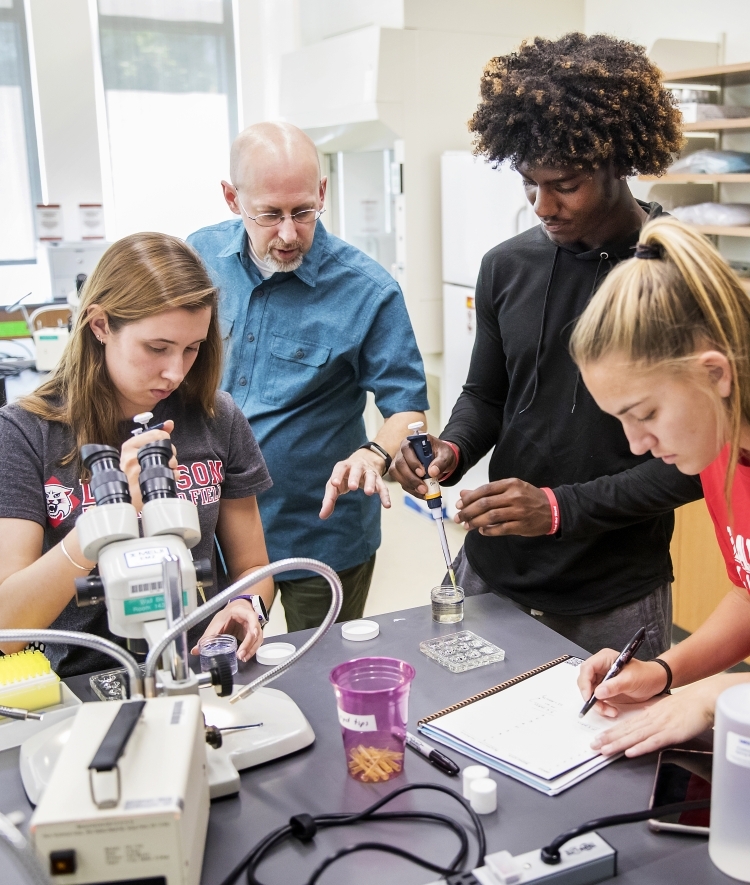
(481, 207)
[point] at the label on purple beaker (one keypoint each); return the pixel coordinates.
(357, 721)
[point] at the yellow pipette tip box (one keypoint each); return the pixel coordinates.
(27, 681)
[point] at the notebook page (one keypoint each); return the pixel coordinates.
(532, 725)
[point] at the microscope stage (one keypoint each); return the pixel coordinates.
(284, 730)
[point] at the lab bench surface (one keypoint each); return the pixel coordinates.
(315, 780)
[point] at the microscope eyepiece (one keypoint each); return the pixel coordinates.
(156, 479)
(108, 484)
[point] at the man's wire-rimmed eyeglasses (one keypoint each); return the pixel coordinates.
(272, 219)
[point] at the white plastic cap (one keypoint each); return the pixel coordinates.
(470, 773)
(417, 425)
(143, 417)
(274, 653)
(360, 631)
(483, 795)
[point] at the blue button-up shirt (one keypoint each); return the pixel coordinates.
(301, 350)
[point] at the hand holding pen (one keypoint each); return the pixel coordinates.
(625, 656)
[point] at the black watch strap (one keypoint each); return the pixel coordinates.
(374, 447)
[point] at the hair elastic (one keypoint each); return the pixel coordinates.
(668, 671)
(648, 251)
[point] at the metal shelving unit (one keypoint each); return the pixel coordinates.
(722, 76)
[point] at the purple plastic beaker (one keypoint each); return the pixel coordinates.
(373, 702)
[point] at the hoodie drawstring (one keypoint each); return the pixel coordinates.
(603, 256)
(541, 333)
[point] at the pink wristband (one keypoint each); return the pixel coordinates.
(457, 453)
(555, 508)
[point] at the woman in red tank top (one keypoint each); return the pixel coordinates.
(664, 346)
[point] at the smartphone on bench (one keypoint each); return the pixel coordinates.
(682, 776)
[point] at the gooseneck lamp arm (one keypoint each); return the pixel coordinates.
(241, 586)
(71, 637)
(23, 852)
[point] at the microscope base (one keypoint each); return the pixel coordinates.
(223, 777)
(284, 730)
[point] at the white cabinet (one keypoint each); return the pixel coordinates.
(481, 207)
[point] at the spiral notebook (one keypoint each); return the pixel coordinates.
(528, 728)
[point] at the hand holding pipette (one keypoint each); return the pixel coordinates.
(422, 448)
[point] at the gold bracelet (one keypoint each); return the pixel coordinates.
(70, 559)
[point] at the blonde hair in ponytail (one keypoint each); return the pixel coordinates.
(661, 311)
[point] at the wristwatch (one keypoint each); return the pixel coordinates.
(379, 450)
(259, 606)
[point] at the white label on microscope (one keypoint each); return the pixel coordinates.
(738, 749)
(357, 721)
(147, 556)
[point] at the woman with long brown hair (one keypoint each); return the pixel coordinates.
(146, 339)
(664, 345)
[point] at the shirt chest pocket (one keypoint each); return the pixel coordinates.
(295, 370)
(225, 327)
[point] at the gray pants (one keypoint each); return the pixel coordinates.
(613, 628)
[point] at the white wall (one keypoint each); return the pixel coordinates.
(645, 21)
(318, 20)
(266, 29)
(507, 17)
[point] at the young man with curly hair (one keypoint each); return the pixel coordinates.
(572, 527)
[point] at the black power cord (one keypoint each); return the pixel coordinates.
(304, 827)
(551, 853)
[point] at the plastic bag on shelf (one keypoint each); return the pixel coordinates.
(717, 214)
(713, 162)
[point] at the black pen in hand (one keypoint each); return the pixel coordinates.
(446, 765)
(623, 658)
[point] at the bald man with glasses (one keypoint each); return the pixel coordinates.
(310, 324)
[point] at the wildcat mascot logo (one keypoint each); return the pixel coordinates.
(60, 501)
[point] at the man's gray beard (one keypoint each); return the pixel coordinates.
(282, 266)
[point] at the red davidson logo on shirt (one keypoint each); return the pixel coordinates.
(60, 500)
(199, 483)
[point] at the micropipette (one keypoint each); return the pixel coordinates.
(423, 450)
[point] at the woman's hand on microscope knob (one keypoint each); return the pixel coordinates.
(129, 458)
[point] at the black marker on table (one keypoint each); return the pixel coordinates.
(446, 765)
(625, 656)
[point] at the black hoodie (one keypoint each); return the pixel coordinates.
(525, 397)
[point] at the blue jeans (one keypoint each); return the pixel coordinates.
(613, 628)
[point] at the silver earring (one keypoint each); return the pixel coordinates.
(100, 340)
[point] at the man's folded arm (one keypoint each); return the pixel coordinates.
(650, 489)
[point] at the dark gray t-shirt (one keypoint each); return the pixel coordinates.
(218, 457)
